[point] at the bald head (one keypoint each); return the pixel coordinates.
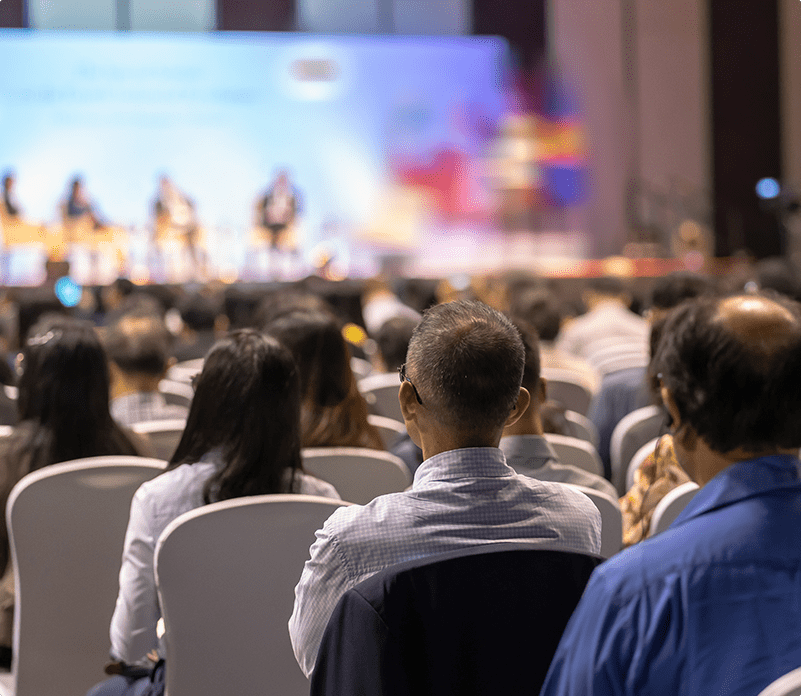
(762, 325)
(733, 369)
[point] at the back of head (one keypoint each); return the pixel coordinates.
(247, 408)
(322, 356)
(467, 360)
(733, 367)
(777, 274)
(64, 394)
(199, 312)
(671, 290)
(393, 341)
(139, 345)
(607, 286)
(542, 310)
(531, 371)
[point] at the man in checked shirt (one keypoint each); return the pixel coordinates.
(460, 386)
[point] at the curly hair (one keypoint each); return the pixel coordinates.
(734, 392)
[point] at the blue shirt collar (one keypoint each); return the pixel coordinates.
(742, 480)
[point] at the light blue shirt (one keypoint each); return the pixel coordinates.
(155, 504)
(711, 606)
(459, 499)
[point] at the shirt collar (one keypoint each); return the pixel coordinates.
(462, 463)
(742, 480)
(528, 447)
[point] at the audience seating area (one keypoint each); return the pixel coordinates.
(204, 581)
(66, 526)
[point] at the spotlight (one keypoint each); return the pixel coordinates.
(768, 188)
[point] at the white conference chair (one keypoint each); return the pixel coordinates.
(611, 519)
(176, 393)
(787, 685)
(631, 433)
(381, 393)
(389, 429)
(226, 575)
(669, 508)
(358, 474)
(582, 428)
(361, 368)
(571, 389)
(185, 371)
(163, 435)
(66, 527)
(636, 461)
(6, 430)
(577, 452)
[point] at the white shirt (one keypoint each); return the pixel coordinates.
(155, 504)
(587, 334)
(459, 499)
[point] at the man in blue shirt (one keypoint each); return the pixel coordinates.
(712, 605)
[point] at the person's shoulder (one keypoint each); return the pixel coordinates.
(310, 485)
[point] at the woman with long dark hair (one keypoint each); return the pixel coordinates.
(242, 438)
(64, 414)
(333, 412)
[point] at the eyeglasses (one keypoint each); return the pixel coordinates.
(404, 378)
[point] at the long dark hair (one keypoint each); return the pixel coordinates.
(247, 405)
(334, 413)
(64, 397)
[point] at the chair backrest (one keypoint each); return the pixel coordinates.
(226, 575)
(176, 393)
(389, 429)
(582, 428)
(6, 430)
(358, 474)
(66, 526)
(361, 368)
(485, 622)
(611, 519)
(631, 433)
(669, 508)
(571, 389)
(185, 371)
(163, 435)
(576, 452)
(787, 685)
(381, 393)
(636, 461)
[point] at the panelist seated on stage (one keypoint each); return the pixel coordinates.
(10, 206)
(138, 347)
(79, 207)
(174, 211)
(276, 211)
(462, 386)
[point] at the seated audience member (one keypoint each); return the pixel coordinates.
(203, 323)
(63, 415)
(659, 474)
(543, 310)
(462, 386)
(710, 605)
(608, 323)
(242, 438)
(380, 304)
(523, 444)
(624, 391)
(139, 350)
(333, 412)
(392, 340)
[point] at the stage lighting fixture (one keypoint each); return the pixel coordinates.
(768, 188)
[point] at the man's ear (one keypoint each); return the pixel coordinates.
(409, 408)
(670, 405)
(523, 400)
